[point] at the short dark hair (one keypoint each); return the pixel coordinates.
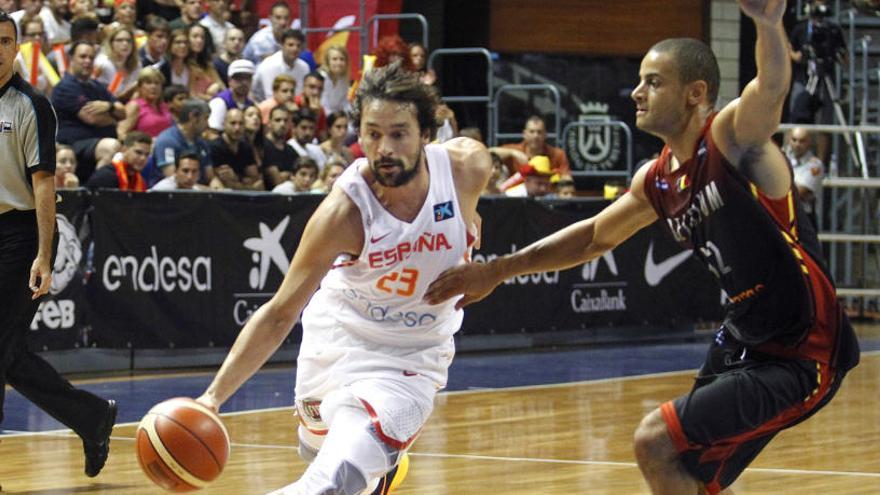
(156, 23)
(173, 90)
(82, 26)
(280, 3)
(694, 61)
(191, 108)
(304, 114)
(135, 137)
(305, 162)
(333, 117)
(278, 108)
(314, 75)
(77, 44)
(4, 17)
(395, 83)
(293, 33)
(188, 154)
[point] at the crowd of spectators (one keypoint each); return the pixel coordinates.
(188, 96)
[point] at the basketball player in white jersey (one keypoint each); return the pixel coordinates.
(373, 354)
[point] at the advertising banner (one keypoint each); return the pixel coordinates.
(187, 270)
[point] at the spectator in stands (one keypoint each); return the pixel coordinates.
(534, 143)
(82, 9)
(233, 157)
(175, 96)
(232, 45)
(253, 131)
(303, 138)
(166, 9)
(539, 179)
(336, 71)
(186, 174)
(190, 13)
(8, 5)
(807, 168)
(473, 133)
(283, 91)
(87, 113)
(204, 82)
(65, 168)
(284, 61)
(124, 14)
(419, 56)
(216, 21)
(175, 65)
(124, 173)
(305, 173)
(278, 156)
(117, 65)
(29, 8)
(335, 143)
(447, 125)
(241, 73)
(566, 188)
(390, 49)
(34, 37)
(54, 14)
(147, 112)
(332, 170)
(185, 135)
(82, 29)
(499, 173)
(153, 51)
(310, 97)
(268, 40)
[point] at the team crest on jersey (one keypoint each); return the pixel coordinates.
(5, 127)
(443, 211)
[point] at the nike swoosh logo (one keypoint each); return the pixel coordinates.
(374, 240)
(409, 373)
(656, 272)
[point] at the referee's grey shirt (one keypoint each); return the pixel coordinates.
(27, 142)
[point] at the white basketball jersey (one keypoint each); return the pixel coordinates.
(378, 296)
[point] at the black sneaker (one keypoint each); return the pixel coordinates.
(97, 451)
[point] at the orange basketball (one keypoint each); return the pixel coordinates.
(182, 445)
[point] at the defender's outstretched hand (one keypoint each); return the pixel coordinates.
(474, 280)
(767, 12)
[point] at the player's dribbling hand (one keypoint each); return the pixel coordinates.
(766, 12)
(474, 280)
(207, 401)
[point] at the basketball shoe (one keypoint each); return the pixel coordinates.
(392, 480)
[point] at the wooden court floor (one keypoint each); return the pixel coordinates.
(558, 439)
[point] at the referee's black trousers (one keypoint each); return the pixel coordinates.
(27, 372)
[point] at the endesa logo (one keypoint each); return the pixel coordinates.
(426, 242)
(157, 274)
(545, 278)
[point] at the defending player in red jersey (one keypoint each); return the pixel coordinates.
(725, 191)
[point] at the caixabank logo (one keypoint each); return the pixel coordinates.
(267, 257)
(603, 289)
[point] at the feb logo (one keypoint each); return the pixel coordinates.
(597, 146)
(443, 211)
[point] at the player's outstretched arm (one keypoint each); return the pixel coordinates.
(571, 246)
(753, 118)
(333, 229)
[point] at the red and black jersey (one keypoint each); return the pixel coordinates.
(780, 297)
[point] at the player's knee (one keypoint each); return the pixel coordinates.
(651, 440)
(309, 444)
(347, 480)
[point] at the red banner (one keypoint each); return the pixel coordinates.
(340, 14)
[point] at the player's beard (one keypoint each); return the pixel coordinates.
(399, 179)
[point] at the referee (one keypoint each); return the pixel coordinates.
(27, 223)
